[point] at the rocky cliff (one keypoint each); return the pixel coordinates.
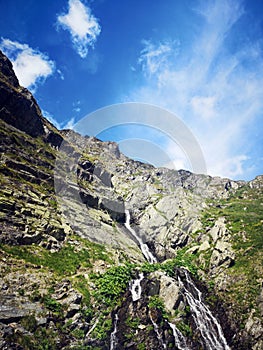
(74, 270)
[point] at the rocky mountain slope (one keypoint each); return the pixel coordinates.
(80, 223)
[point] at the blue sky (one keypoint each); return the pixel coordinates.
(201, 60)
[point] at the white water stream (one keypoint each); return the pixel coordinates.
(156, 329)
(113, 337)
(179, 339)
(136, 288)
(208, 325)
(144, 248)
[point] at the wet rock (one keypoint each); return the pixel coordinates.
(93, 187)
(179, 239)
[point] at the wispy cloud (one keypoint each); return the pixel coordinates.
(69, 124)
(31, 66)
(154, 57)
(50, 118)
(77, 106)
(82, 25)
(204, 106)
(216, 89)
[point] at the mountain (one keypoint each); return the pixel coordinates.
(99, 251)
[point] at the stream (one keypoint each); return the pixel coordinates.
(143, 246)
(210, 329)
(136, 288)
(208, 325)
(113, 337)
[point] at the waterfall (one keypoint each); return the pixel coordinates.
(135, 287)
(113, 337)
(179, 339)
(156, 329)
(210, 330)
(144, 248)
(208, 325)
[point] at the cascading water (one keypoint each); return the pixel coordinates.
(156, 329)
(135, 288)
(113, 337)
(210, 329)
(179, 339)
(144, 248)
(208, 325)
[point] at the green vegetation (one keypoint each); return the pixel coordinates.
(132, 322)
(29, 323)
(64, 262)
(103, 328)
(43, 339)
(112, 283)
(184, 328)
(51, 304)
(182, 259)
(243, 211)
(78, 333)
(155, 302)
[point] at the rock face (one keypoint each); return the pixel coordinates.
(68, 260)
(17, 105)
(19, 108)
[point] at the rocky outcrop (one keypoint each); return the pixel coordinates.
(17, 105)
(7, 72)
(257, 182)
(19, 108)
(63, 199)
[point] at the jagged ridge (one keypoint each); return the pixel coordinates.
(52, 289)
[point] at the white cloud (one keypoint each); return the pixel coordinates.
(234, 166)
(217, 92)
(82, 25)
(155, 57)
(178, 158)
(61, 75)
(64, 125)
(76, 106)
(69, 124)
(50, 118)
(204, 106)
(31, 66)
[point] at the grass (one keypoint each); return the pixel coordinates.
(64, 262)
(243, 212)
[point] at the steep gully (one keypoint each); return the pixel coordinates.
(210, 329)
